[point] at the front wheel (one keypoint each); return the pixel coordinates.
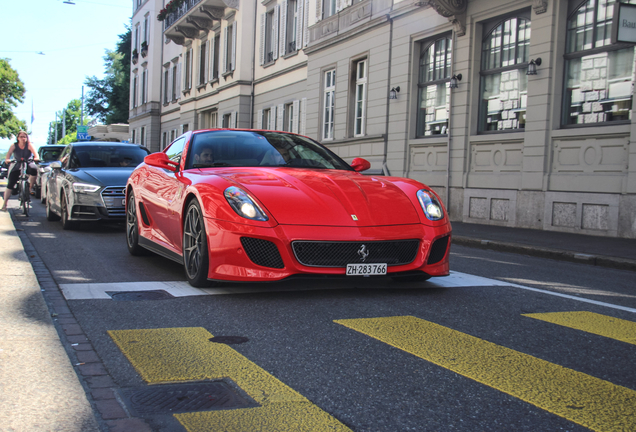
(24, 197)
(132, 227)
(195, 247)
(66, 223)
(50, 215)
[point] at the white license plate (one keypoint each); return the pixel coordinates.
(366, 269)
(123, 202)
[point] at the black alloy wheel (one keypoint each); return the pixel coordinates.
(50, 215)
(132, 227)
(195, 247)
(24, 197)
(66, 223)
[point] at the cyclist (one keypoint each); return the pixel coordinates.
(21, 150)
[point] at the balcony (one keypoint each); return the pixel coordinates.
(192, 18)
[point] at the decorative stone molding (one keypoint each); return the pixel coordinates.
(454, 10)
(179, 40)
(539, 6)
(232, 4)
(203, 24)
(214, 13)
(188, 32)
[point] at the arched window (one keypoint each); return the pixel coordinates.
(434, 92)
(598, 74)
(504, 84)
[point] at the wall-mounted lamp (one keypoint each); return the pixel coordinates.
(532, 66)
(393, 93)
(454, 81)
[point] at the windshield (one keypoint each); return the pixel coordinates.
(227, 148)
(50, 154)
(107, 156)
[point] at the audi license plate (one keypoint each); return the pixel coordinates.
(366, 269)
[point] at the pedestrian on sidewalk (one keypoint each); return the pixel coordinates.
(22, 149)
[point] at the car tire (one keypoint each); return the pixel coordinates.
(66, 223)
(196, 260)
(43, 196)
(37, 191)
(132, 227)
(50, 215)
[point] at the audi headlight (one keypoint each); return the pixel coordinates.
(84, 188)
(243, 204)
(431, 206)
(44, 169)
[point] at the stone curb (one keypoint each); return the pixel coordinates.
(555, 254)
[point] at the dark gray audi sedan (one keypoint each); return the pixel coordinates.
(88, 182)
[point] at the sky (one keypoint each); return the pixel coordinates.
(73, 39)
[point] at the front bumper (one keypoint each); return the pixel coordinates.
(106, 204)
(230, 261)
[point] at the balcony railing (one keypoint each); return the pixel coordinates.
(173, 17)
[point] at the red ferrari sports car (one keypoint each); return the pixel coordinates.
(251, 205)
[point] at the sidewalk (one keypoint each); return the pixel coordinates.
(39, 389)
(611, 252)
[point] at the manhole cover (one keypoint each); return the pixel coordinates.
(181, 398)
(139, 295)
(229, 340)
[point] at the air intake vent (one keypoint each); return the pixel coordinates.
(438, 250)
(339, 254)
(262, 252)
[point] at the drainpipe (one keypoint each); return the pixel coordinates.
(450, 112)
(385, 169)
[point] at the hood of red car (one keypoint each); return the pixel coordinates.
(327, 197)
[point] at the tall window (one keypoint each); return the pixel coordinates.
(360, 92)
(267, 118)
(288, 117)
(164, 140)
(329, 7)
(144, 81)
(175, 81)
(216, 43)
(328, 104)
(166, 84)
(230, 48)
(142, 136)
(188, 70)
(203, 63)
(433, 87)
(598, 75)
(133, 137)
(134, 91)
(136, 38)
(504, 61)
(146, 28)
(292, 25)
(271, 36)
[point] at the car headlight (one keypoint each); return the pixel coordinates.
(84, 188)
(243, 205)
(44, 169)
(431, 206)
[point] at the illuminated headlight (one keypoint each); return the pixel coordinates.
(44, 169)
(84, 188)
(431, 206)
(243, 204)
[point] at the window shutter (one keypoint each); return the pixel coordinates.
(233, 65)
(233, 118)
(259, 119)
(303, 116)
(299, 23)
(295, 106)
(225, 41)
(348, 3)
(191, 69)
(275, 31)
(178, 81)
(211, 59)
(272, 118)
(132, 93)
(263, 18)
(145, 87)
(283, 29)
(206, 66)
(318, 9)
(306, 24)
(280, 117)
(168, 88)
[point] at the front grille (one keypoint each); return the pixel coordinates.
(262, 252)
(438, 250)
(113, 197)
(339, 254)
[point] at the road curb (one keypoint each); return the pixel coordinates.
(555, 254)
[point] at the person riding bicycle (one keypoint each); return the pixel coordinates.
(22, 150)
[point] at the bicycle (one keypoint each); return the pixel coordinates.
(24, 197)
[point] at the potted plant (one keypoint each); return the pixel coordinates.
(135, 56)
(144, 49)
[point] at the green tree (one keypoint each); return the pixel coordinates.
(108, 98)
(11, 94)
(73, 115)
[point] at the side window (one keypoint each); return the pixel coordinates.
(176, 149)
(64, 157)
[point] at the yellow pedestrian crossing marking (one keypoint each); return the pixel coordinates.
(580, 398)
(610, 327)
(186, 354)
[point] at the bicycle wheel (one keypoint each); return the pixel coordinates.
(24, 197)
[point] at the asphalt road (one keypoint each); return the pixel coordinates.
(367, 354)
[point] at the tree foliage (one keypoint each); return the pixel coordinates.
(108, 98)
(73, 115)
(11, 94)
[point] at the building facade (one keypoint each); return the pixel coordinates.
(517, 112)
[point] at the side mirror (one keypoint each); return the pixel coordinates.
(360, 164)
(160, 160)
(55, 165)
